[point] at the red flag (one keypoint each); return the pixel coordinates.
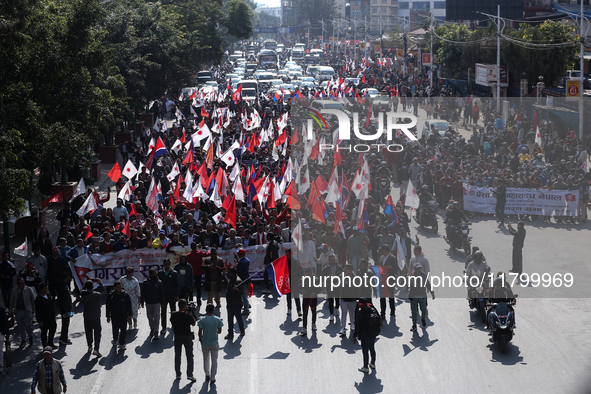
(184, 137)
(88, 234)
(321, 184)
(230, 217)
(369, 110)
(337, 159)
(315, 151)
(171, 201)
(363, 79)
(115, 172)
(278, 272)
(193, 95)
(237, 94)
(189, 157)
(177, 189)
(204, 112)
(318, 209)
(150, 160)
(338, 220)
(133, 211)
(281, 139)
(271, 197)
(126, 230)
(58, 197)
(294, 137)
(293, 200)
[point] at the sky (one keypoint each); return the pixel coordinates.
(269, 3)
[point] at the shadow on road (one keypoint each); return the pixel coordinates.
(232, 348)
(84, 367)
(289, 326)
(421, 342)
(369, 383)
(184, 389)
(511, 356)
(308, 343)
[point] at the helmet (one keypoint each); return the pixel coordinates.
(498, 283)
(478, 256)
(524, 149)
(425, 188)
(456, 204)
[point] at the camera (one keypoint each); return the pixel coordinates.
(192, 309)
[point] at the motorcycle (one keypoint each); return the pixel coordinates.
(429, 216)
(477, 295)
(460, 238)
(502, 318)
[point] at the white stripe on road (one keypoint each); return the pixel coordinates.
(253, 374)
(100, 379)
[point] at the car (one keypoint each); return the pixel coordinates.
(324, 73)
(275, 82)
(296, 82)
(308, 79)
(439, 124)
(282, 72)
(384, 101)
(290, 63)
(307, 84)
(354, 80)
(294, 74)
(212, 84)
(186, 92)
(372, 93)
(324, 84)
(231, 76)
(204, 76)
(287, 87)
(239, 70)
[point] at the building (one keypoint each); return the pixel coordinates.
(416, 11)
(273, 11)
(383, 16)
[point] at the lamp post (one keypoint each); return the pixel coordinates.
(523, 89)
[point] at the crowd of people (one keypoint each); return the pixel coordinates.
(230, 174)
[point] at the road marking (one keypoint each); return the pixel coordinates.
(98, 383)
(253, 374)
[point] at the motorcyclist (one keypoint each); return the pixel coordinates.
(454, 217)
(479, 268)
(500, 292)
(424, 197)
(470, 258)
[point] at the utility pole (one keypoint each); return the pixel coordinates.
(431, 57)
(365, 37)
(308, 44)
(322, 37)
(582, 65)
(499, 58)
(333, 37)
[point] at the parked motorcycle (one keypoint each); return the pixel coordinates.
(502, 320)
(429, 216)
(460, 238)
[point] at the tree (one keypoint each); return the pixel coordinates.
(238, 19)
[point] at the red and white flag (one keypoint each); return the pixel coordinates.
(22, 250)
(88, 206)
(129, 170)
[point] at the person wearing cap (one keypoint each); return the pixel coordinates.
(119, 313)
(22, 306)
(419, 285)
(243, 272)
(48, 377)
(7, 273)
(45, 315)
(518, 241)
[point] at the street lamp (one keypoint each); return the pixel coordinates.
(523, 89)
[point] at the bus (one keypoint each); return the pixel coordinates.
(270, 44)
(268, 58)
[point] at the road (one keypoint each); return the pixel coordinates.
(549, 354)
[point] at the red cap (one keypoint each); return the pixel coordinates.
(241, 252)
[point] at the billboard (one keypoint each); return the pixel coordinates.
(426, 59)
(572, 89)
(486, 75)
(459, 10)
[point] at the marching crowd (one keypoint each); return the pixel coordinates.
(230, 174)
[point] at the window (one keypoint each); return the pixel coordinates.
(403, 6)
(374, 1)
(394, 2)
(385, 10)
(393, 11)
(384, 1)
(439, 5)
(421, 6)
(374, 11)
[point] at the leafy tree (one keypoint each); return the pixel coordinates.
(238, 19)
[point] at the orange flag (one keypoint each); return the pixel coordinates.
(115, 172)
(230, 217)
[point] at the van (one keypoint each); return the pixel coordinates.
(204, 76)
(324, 73)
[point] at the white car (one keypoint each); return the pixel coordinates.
(440, 125)
(308, 79)
(307, 84)
(371, 92)
(294, 74)
(231, 76)
(287, 87)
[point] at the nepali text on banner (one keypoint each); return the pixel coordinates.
(523, 201)
(110, 267)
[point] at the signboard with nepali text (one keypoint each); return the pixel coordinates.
(523, 201)
(109, 267)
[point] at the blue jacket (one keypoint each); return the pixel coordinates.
(74, 251)
(242, 269)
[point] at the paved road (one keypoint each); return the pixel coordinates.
(550, 352)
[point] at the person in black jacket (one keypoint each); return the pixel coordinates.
(7, 273)
(518, 240)
(172, 289)
(45, 315)
(64, 303)
(332, 269)
(310, 298)
(272, 255)
(213, 267)
(153, 296)
(234, 303)
(501, 194)
(91, 299)
(119, 313)
(4, 333)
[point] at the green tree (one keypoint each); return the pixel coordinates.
(238, 19)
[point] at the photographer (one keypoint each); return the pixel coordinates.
(181, 322)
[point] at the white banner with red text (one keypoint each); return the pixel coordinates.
(110, 267)
(523, 201)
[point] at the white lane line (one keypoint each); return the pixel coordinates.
(253, 374)
(100, 379)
